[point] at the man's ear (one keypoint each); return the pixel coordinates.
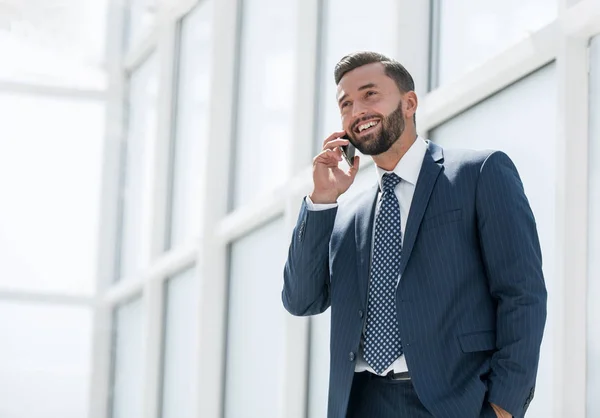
(410, 103)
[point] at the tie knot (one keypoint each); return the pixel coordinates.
(389, 181)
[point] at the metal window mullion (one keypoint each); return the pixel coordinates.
(216, 174)
(414, 35)
(153, 299)
(108, 229)
(569, 302)
(308, 50)
(161, 180)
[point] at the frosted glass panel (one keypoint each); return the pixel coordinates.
(181, 348)
(265, 101)
(128, 361)
(472, 31)
(191, 123)
(59, 43)
(45, 360)
(516, 121)
(348, 27)
(255, 339)
(50, 178)
(141, 134)
(593, 354)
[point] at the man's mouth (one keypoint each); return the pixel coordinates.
(366, 127)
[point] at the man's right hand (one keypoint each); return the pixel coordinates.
(330, 182)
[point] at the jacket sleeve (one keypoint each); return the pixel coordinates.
(306, 273)
(513, 261)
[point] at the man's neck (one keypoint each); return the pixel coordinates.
(390, 159)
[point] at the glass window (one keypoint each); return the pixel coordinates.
(255, 340)
(181, 349)
(45, 360)
(368, 31)
(191, 123)
(265, 96)
(469, 32)
(60, 44)
(50, 177)
(141, 133)
(593, 356)
(516, 122)
(128, 360)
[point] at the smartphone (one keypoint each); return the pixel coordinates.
(348, 151)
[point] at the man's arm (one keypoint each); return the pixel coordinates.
(306, 272)
(512, 256)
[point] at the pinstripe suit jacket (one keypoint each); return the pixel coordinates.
(471, 301)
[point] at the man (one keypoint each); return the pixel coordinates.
(434, 276)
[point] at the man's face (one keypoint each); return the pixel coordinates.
(370, 104)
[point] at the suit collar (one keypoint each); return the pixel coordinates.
(364, 237)
(430, 171)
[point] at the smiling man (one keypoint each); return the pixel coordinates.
(434, 276)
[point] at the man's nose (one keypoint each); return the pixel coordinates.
(358, 109)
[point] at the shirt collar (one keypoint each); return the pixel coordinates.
(409, 166)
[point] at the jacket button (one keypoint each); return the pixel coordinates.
(361, 314)
(351, 356)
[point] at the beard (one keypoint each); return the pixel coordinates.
(392, 126)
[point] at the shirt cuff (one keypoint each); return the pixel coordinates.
(318, 206)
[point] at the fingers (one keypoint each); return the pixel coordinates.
(333, 136)
(329, 157)
(354, 169)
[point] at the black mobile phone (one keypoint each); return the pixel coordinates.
(348, 151)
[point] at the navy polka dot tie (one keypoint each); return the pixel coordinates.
(382, 344)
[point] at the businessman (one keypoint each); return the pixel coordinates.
(434, 275)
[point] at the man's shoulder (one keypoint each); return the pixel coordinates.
(465, 156)
(462, 160)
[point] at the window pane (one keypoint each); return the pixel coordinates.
(255, 340)
(370, 31)
(472, 31)
(128, 361)
(181, 349)
(593, 357)
(266, 85)
(191, 123)
(45, 360)
(141, 133)
(50, 177)
(516, 122)
(54, 43)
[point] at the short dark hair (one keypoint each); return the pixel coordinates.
(393, 69)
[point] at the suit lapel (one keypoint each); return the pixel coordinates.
(364, 235)
(432, 166)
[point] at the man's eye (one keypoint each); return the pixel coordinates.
(371, 93)
(345, 104)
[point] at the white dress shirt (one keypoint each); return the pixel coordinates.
(408, 169)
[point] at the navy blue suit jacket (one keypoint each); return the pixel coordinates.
(471, 301)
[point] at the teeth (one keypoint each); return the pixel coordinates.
(366, 126)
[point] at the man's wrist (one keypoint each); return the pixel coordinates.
(319, 198)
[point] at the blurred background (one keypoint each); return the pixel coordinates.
(154, 155)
